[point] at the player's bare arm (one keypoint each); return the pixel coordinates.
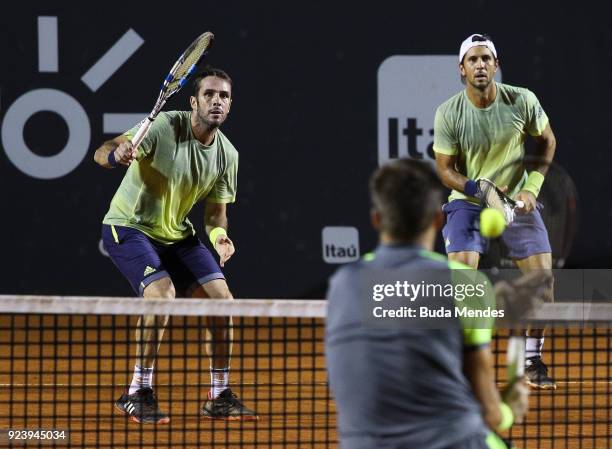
(215, 216)
(545, 152)
(122, 149)
(478, 369)
(447, 171)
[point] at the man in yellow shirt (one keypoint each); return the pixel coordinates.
(476, 133)
(183, 159)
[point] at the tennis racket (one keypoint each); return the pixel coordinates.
(178, 76)
(492, 196)
(519, 297)
(557, 204)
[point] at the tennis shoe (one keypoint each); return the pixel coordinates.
(227, 406)
(142, 407)
(537, 374)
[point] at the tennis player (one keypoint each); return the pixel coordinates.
(410, 387)
(183, 159)
(477, 132)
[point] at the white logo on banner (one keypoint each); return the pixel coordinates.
(410, 88)
(340, 244)
(64, 105)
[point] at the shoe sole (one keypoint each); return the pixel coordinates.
(136, 420)
(541, 387)
(232, 418)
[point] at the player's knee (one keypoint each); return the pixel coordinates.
(216, 289)
(549, 290)
(160, 288)
(470, 258)
(222, 292)
(225, 293)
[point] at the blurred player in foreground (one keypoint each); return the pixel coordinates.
(408, 387)
(477, 132)
(183, 159)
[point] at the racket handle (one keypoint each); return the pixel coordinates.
(520, 204)
(142, 132)
(516, 357)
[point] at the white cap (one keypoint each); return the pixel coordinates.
(476, 40)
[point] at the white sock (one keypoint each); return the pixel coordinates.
(533, 347)
(142, 378)
(219, 380)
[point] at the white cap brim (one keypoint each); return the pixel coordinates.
(468, 43)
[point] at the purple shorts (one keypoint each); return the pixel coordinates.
(525, 237)
(142, 260)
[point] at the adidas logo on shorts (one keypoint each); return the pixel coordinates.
(149, 270)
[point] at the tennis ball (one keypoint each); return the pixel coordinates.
(492, 223)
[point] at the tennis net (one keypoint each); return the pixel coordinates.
(578, 352)
(64, 361)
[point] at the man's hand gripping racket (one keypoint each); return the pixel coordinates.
(492, 196)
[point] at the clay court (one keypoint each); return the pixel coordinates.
(65, 372)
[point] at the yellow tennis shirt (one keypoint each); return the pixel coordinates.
(486, 140)
(172, 172)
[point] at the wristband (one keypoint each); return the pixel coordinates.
(111, 159)
(507, 417)
(470, 188)
(216, 233)
(534, 183)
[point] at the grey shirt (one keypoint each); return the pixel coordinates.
(396, 388)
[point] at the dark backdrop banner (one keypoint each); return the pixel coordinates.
(307, 120)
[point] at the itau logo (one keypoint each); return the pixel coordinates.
(410, 88)
(64, 105)
(340, 244)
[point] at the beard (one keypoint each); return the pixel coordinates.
(205, 121)
(480, 84)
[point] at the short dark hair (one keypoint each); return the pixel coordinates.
(408, 194)
(210, 71)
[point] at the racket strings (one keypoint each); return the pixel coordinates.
(186, 64)
(193, 54)
(495, 199)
